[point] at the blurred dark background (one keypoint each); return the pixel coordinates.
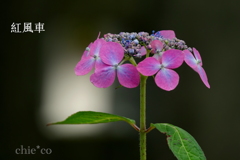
(29, 59)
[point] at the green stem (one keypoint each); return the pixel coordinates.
(143, 154)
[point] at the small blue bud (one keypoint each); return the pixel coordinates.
(109, 39)
(132, 36)
(131, 51)
(135, 41)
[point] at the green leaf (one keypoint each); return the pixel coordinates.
(90, 117)
(182, 144)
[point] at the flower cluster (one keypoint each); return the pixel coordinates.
(163, 52)
(133, 42)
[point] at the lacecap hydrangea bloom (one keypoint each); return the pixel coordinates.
(159, 53)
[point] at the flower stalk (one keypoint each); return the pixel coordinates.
(143, 139)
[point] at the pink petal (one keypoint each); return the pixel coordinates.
(148, 66)
(167, 79)
(197, 56)
(84, 66)
(156, 45)
(99, 64)
(168, 34)
(112, 53)
(143, 51)
(86, 53)
(104, 77)
(128, 76)
(172, 58)
(203, 76)
(95, 47)
(190, 60)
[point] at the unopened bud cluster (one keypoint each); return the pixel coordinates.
(132, 42)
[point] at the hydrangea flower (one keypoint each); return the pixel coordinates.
(166, 78)
(142, 51)
(157, 47)
(167, 34)
(90, 58)
(112, 54)
(196, 64)
(108, 55)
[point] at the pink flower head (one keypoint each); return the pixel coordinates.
(196, 64)
(166, 34)
(112, 54)
(90, 58)
(166, 78)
